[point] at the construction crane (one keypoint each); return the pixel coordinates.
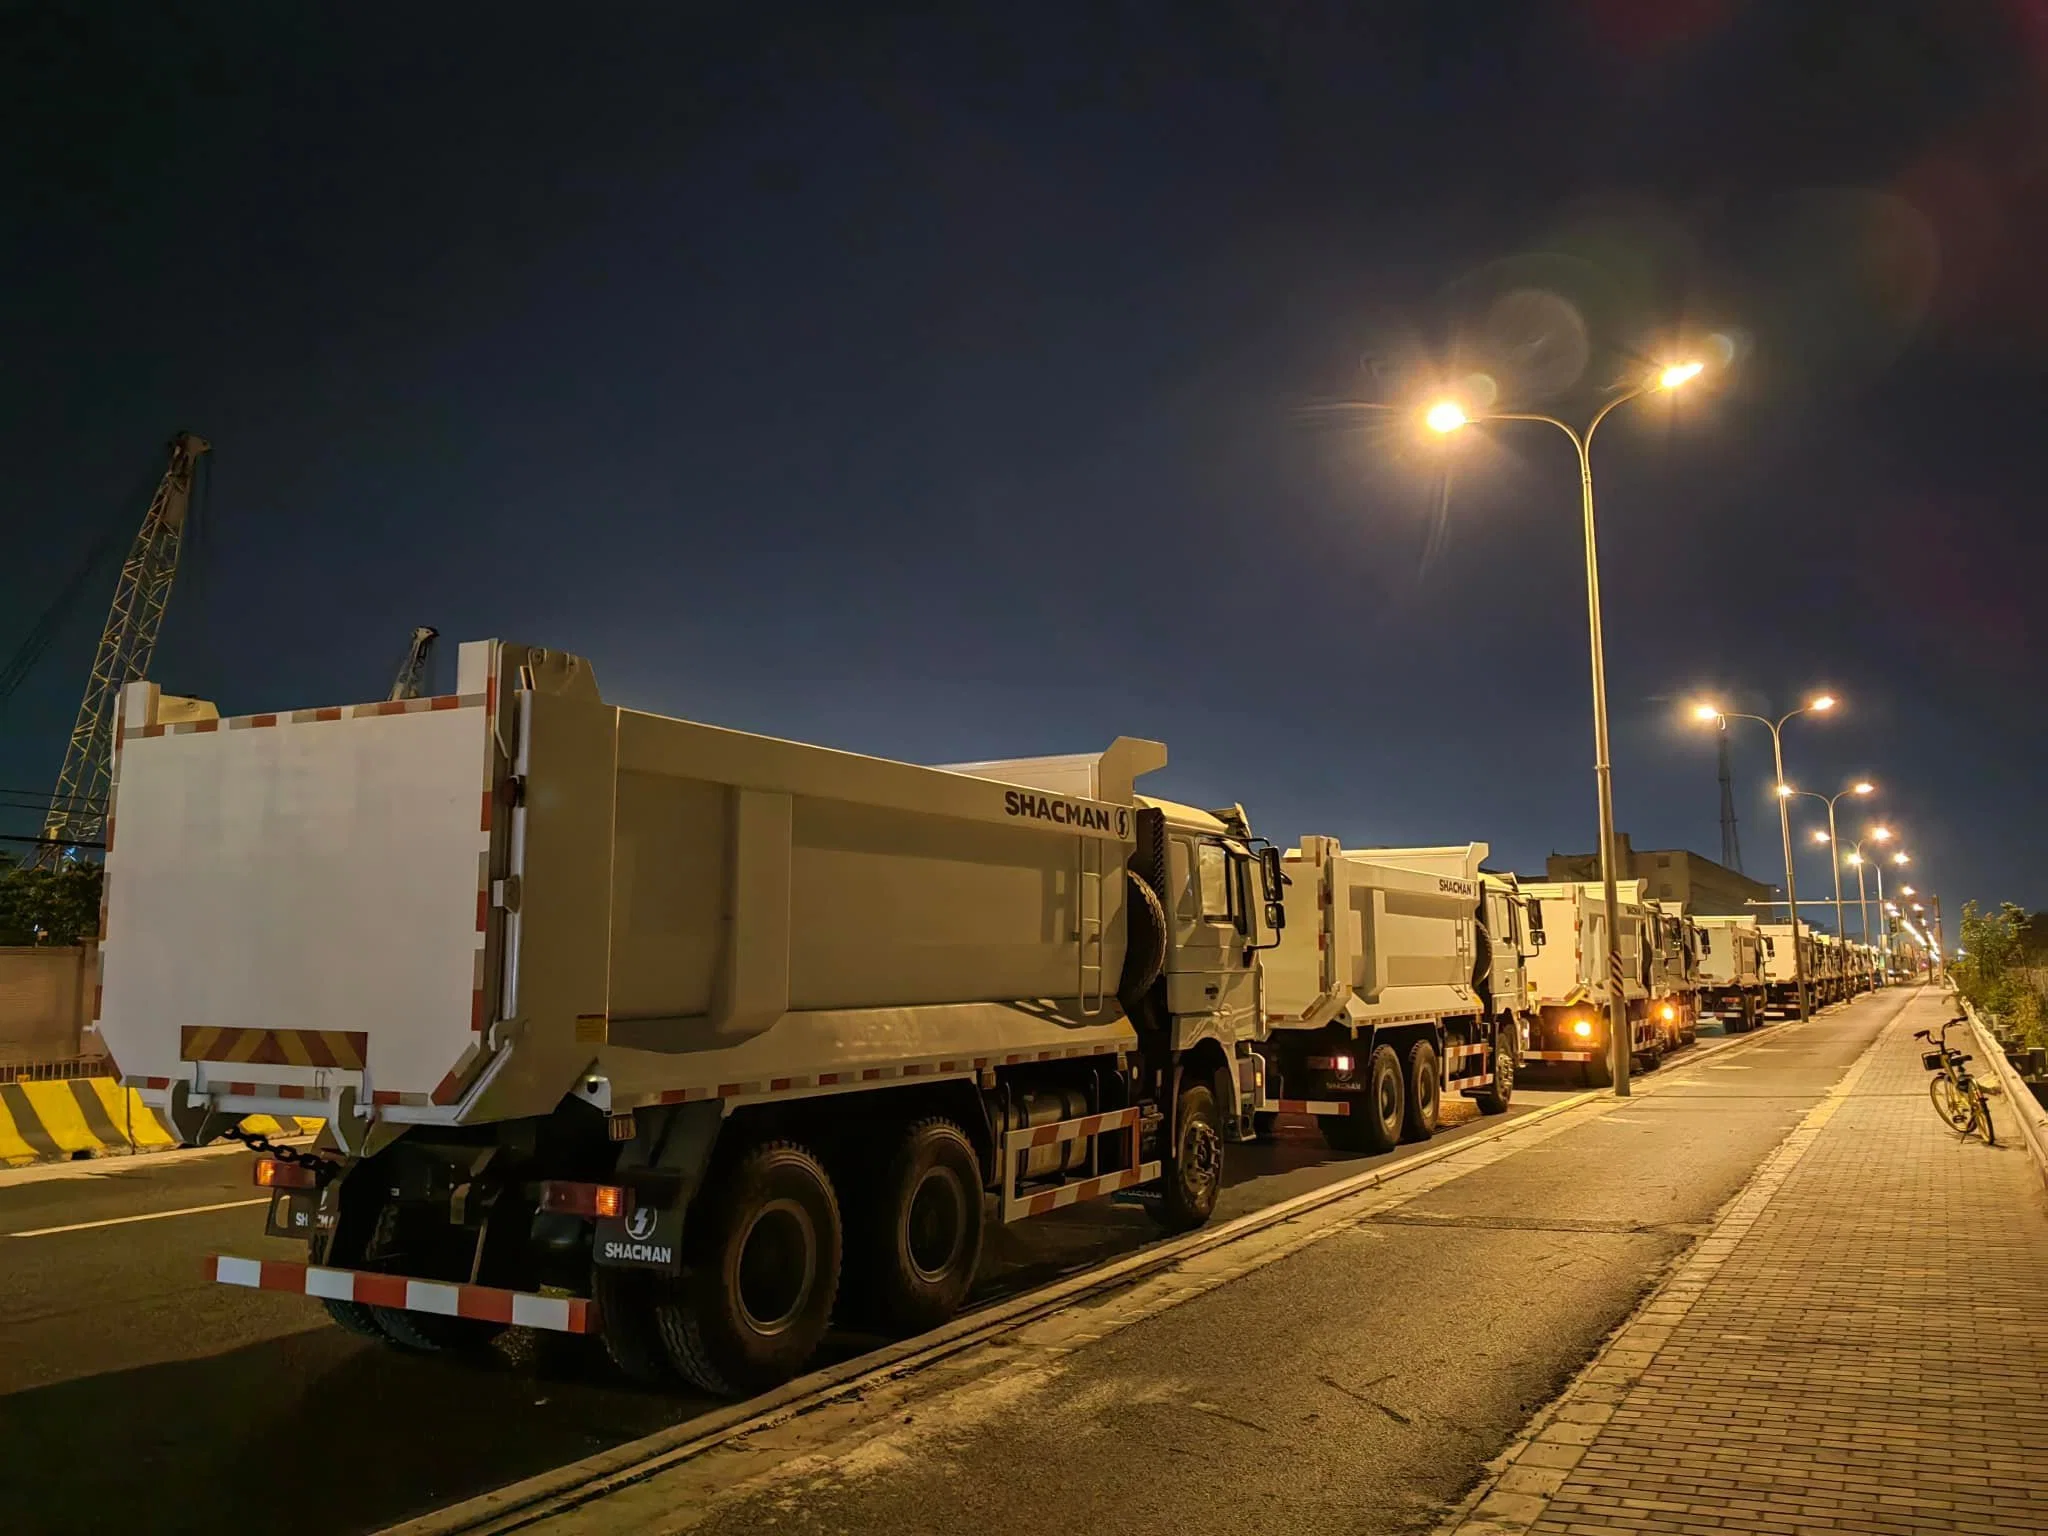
(78, 806)
(412, 672)
(1731, 841)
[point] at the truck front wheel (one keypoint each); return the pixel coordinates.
(1493, 1099)
(1193, 1176)
(761, 1270)
(913, 1253)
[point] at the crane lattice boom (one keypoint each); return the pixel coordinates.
(412, 672)
(78, 808)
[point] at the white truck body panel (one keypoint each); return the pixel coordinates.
(1780, 960)
(672, 911)
(1373, 938)
(1733, 953)
(1571, 966)
(317, 875)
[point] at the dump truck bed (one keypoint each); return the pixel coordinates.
(471, 907)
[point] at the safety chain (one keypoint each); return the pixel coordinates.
(324, 1167)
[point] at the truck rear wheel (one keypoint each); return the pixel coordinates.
(353, 1317)
(1493, 1099)
(626, 1300)
(761, 1270)
(1374, 1125)
(1193, 1176)
(913, 1253)
(1425, 1099)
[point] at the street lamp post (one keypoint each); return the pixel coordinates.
(1446, 417)
(1861, 787)
(1857, 861)
(1820, 705)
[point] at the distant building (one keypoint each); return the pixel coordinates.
(1674, 875)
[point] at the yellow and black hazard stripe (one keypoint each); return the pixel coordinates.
(93, 1116)
(344, 1048)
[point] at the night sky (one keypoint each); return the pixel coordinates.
(959, 382)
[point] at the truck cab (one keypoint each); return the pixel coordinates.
(1570, 1030)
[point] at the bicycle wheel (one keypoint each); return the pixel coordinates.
(1982, 1105)
(1953, 1108)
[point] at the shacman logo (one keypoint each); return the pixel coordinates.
(640, 1226)
(1115, 820)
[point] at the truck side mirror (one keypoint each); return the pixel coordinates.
(1273, 879)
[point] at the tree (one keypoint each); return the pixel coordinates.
(49, 906)
(1992, 972)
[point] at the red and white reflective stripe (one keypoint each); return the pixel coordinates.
(1457, 1053)
(432, 704)
(857, 1077)
(1068, 1130)
(1557, 1055)
(485, 1303)
(1087, 1189)
(1308, 1106)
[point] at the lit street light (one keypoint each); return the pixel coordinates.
(1860, 787)
(1818, 705)
(1447, 416)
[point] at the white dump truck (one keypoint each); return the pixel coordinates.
(685, 1036)
(1781, 977)
(1674, 977)
(1828, 975)
(1399, 974)
(1572, 987)
(1732, 971)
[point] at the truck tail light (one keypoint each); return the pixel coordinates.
(566, 1198)
(272, 1174)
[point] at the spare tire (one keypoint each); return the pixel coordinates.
(1144, 941)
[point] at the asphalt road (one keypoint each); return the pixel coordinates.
(134, 1390)
(1355, 1385)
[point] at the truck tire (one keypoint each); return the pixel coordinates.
(626, 1299)
(1193, 1175)
(1144, 944)
(1599, 1072)
(356, 1318)
(761, 1269)
(1375, 1122)
(1265, 1124)
(428, 1332)
(913, 1250)
(1424, 1109)
(1493, 1099)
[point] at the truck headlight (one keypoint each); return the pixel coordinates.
(1583, 1028)
(1670, 1013)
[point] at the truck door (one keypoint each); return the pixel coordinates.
(1210, 970)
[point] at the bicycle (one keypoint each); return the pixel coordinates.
(1962, 1102)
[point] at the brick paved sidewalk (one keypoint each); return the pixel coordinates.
(1861, 1344)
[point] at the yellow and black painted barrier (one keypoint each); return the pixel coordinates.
(44, 1122)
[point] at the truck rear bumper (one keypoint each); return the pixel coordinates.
(484, 1303)
(1562, 1055)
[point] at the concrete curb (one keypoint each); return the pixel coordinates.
(2026, 1109)
(59, 1119)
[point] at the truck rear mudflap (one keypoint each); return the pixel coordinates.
(479, 1303)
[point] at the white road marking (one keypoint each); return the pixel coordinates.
(120, 1221)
